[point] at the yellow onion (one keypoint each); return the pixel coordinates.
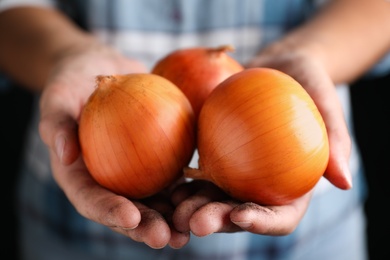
(197, 71)
(136, 133)
(261, 138)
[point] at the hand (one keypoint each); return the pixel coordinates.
(147, 221)
(203, 209)
(67, 90)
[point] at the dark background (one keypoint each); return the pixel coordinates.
(371, 109)
(15, 111)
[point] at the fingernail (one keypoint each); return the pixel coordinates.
(60, 146)
(244, 225)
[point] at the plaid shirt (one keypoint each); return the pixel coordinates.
(333, 227)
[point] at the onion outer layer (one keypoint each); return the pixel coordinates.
(261, 138)
(136, 133)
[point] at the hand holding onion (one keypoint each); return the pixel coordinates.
(262, 141)
(65, 93)
(261, 138)
(207, 211)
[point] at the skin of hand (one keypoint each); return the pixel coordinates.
(49, 54)
(318, 55)
(202, 208)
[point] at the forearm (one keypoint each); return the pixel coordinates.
(32, 40)
(347, 37)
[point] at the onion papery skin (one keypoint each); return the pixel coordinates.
(198, 70)
(261, 138)
(137, 132)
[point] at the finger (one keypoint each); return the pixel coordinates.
(185, 209)
(58, 122)
(213, 218)
(179, 239)
(153, 230)
(161, 204)
(337, 171)
(275, 221)
(102, 206)
(59, 132)
(91, 200)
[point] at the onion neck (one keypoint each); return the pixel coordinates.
(195, 174)
(108, 82)
(105, 79)
(221, 49)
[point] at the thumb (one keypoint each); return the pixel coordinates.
(59, 132)
(338, 172)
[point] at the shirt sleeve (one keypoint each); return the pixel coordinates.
(7, 4)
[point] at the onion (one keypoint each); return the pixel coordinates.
(136, 133)
(197, 71)
(261, 138)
